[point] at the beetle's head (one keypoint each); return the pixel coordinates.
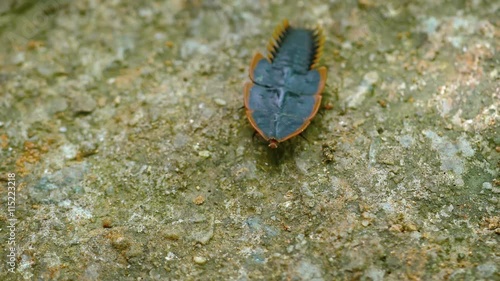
(273, 143)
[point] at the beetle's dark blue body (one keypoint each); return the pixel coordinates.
(285, 92)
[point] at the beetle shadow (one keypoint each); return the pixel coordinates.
(281, 155)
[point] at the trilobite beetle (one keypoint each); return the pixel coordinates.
(284, 93)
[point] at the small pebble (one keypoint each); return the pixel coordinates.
(396, 228)
(199, 260)
(18, 58)
(410, 227)
(199, 200)
(83, 104)
(69, 151)
(101, 102)
(88, 148)
(371, 77)
(46, 70)
(487, 185)
(204, 153)
(220, 102)
(170, 256)
(106, 223)
(494, 73)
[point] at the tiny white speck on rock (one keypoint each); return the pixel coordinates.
(487, 185)
(204, 153)
(170, 256)
(69, 151)
(220, 102)
(199, 260)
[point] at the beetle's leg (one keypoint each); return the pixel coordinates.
(302, 136)
(253, 135)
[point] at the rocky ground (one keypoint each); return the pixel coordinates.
(132, 159)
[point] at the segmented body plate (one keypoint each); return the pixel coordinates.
(286, 87)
